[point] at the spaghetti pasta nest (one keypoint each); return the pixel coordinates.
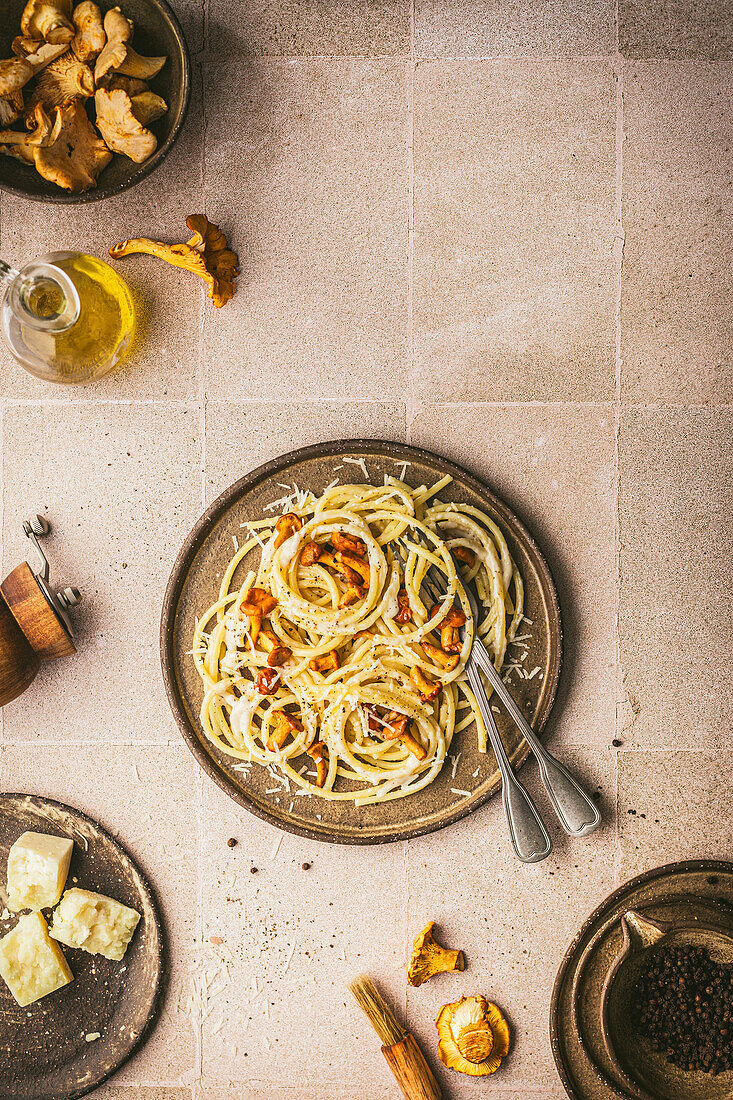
(326, 663)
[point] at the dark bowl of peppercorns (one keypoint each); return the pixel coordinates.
(667, 1010)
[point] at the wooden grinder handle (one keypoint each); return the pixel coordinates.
(19, 662)
(412, 1073)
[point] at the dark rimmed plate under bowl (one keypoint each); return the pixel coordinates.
(43, 1050)
(194, 585)
(157, 32)
(693, 895)
(648, 1073)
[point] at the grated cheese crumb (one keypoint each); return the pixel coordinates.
(358, 462)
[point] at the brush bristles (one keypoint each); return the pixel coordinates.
(379, 1014)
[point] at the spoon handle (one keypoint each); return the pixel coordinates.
(529, 837)
(577, 813)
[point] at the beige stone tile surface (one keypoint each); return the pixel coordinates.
(554, 465)
(263, 1090)
(469, 28)
(428, 199)
(313, 157)
(156, 823)
(141, 1092)
(121, 485)
(260, 1090)
(676, 618)
(514, 275)
(276, 986)
(240, 437)
(677, 334)
(676, 29)
(163, 365)
(308, 27)
(683, 813)
(513, 921)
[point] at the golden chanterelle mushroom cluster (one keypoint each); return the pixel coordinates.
(64, 58)
(473, 1036)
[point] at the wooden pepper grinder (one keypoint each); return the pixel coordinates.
(34, 622)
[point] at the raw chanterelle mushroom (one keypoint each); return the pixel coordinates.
(41, 131)
(119, 127)
(78, 154)
(90, 39)
(473, 1036)
(429, 958)
(148, 107)
(24, 153)
(63, 80)
(48, 19)
(37, 54)
(118, 56)
(14, 75)
(129, 84)
(11, 109)
(207, 254)
(22, 46)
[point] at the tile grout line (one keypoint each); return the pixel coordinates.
(409, 417)
(199, 1022)
(468, 58)
(3, 415)
(194, 403)
(201, 371)
(410, 403)
(619, 241)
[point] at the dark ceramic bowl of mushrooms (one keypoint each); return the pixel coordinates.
(93, 94)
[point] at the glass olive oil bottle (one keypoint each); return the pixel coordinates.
(67, 317)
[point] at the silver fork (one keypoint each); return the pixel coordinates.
(576, 812)
(529, 837)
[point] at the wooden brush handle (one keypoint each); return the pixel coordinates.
(412, 1073)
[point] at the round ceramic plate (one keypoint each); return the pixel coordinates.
(688, 892)
(468, 778)
(43, 1049)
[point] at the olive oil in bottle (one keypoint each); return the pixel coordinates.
(67, 317)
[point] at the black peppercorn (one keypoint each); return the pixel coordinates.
(683, 1004)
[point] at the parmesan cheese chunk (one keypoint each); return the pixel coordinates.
(99, 925)
(31, 964)
(37, 868)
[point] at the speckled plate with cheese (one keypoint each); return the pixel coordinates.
(74, 1038)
